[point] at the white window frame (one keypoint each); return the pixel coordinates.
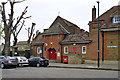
(38, 50)
(44, 37)
(22, 47)
(44, 49)
(58, 49)
(65, 49)
(58, 36)
(83, 52)
(18, 48)
(51, 36)
(116, 19)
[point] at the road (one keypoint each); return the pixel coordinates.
(47, 72)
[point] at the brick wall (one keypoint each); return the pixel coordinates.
(111, 45)
(94, 45)
(110, 53)
(107, 18)
(76, 58)
(34, 51)
(55, 44)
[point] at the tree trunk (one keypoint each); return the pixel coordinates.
(7, 44)
(15, 41)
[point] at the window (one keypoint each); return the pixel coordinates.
(44, 37)
(18, 48)
(44, 49)
(51, 36)
(22, 47)
(58, 49)
(66, 50)
(116, 19)
(38, 50)
(58, 36)
(83, 49)
(74, 49)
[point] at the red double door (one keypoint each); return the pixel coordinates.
(52, 54)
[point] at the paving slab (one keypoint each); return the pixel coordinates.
(86, 66)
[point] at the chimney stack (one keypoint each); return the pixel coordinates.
(93, 13)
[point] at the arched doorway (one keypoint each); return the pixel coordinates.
(52, 54)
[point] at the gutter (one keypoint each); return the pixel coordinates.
(111, 29)
(82, 42)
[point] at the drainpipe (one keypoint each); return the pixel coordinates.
(62, 47)
(102, 46)
(61, 53)
(42, 49)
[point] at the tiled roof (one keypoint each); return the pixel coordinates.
(114, 7)
(55, 29)
(76, 38)
(68, 22)
(38, 40)
(115, 13)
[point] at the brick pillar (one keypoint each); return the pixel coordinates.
(93, 13)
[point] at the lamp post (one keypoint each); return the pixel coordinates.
(0, 29)
(98, 36)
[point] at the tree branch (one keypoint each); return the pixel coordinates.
(23, 13)
(11, 15)
(3, 13)
(18, 1)
(27, 17)
(20, 28)
(31, 33)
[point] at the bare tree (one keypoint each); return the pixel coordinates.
(30, 33)
(15, 34)
(9, 28)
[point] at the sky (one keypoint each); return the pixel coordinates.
(44, 12)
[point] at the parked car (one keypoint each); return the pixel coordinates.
(7, 61)
(38, 61)
(22, 60)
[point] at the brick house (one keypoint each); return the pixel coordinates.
(65, 39)
(56, 33)
(21, 45)
(76, 47)
(37, 45)
(109, 34)
(48, 42)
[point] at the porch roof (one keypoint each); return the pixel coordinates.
(76, 38)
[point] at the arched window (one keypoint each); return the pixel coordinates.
(38, 50)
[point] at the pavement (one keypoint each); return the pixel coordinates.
(109, 66)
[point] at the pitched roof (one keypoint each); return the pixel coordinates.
(76, 38)
(59, 28)
(114, 8)
(68, 22)
(38, 40)
(55, 30)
